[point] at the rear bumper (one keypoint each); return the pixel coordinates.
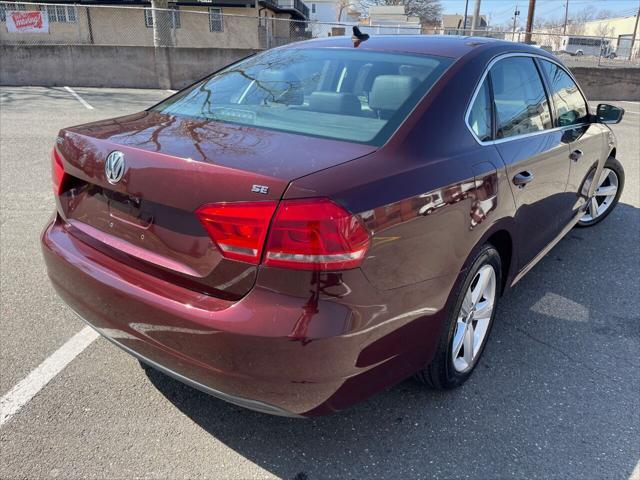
(269, 352)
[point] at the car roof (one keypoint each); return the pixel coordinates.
(452, 46)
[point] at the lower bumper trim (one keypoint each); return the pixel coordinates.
(240, 401)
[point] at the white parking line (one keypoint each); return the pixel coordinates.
(628, 101)
(78, 97)
(27, 388)
(172, 91)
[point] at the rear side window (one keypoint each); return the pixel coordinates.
(352, 95)
(521, 104)
(570, 105)
(480, 114)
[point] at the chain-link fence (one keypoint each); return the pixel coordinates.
(23, 23)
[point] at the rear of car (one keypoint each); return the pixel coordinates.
(175, 238)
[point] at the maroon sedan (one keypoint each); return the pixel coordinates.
(317, 222)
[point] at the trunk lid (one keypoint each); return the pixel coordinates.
(173, 166)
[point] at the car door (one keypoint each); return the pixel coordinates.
(587, 140)
(535, 154)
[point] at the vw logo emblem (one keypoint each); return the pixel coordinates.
(114, 167)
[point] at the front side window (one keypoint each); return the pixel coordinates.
(480, 114)
(342, 94)
(571, 108)
(520, 101)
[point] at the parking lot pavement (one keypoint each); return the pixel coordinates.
(555, 396)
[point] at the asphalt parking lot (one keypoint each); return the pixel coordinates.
(557, 394)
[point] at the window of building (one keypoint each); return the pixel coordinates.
(520, 101)
(215, 19)
(480, 114)
(313, 8)
(60, 13)
(175, 17)
(8, 7)
(569, 103)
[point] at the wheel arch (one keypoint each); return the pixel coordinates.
(503, 243)
(501, 235)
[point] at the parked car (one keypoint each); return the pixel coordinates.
(317, 222)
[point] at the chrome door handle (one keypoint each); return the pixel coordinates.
(522, 178)
(575, 155)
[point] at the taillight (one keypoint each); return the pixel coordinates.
(308, 234)
(315, 234)
(57, 172)
(239, 229)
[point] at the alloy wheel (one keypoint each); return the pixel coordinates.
(604, 196)
(474, 319)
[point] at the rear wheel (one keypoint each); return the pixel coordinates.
(469, 323)
(608, 190)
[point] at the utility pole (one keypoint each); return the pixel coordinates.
(566, 16)
(515, 20)
(162, 29)
(464, 22)
(162, 23)
(530, 15)
(476, 17)
(635, 34)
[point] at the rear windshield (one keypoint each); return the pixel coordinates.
(351, 95)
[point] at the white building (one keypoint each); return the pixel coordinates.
(331, 17)
(391, 19)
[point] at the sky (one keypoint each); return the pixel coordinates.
(501, 11)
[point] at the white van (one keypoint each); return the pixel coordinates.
(578, 45)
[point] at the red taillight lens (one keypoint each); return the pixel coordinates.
(309, 234)
(315, 234)
(57, 172)
(239, 229)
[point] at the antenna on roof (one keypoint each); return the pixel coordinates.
(358, 37)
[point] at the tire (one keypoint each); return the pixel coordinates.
(615, 166)
(444, 372)
(579, 53)
(144, 366)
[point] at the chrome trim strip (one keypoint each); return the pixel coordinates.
(240, 401)
(495, 60)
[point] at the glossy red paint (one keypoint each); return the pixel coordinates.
(134, 261)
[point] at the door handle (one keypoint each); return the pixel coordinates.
(522, 178)
(575, 155)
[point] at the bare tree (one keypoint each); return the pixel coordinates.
(576, 24)
(342, 6)
(428, 11)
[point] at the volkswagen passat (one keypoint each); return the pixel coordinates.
(317, 222)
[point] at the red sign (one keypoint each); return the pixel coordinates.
(27, 22)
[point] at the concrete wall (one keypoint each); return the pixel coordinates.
(609, 83)
(146, 67)
(110, 66)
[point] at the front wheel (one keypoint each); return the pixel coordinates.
(469, 323)
(608, 190)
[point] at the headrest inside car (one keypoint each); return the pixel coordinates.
(332, 102)
(389, 92)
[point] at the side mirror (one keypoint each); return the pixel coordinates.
(609, 113)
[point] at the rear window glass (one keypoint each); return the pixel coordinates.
(350, 95)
